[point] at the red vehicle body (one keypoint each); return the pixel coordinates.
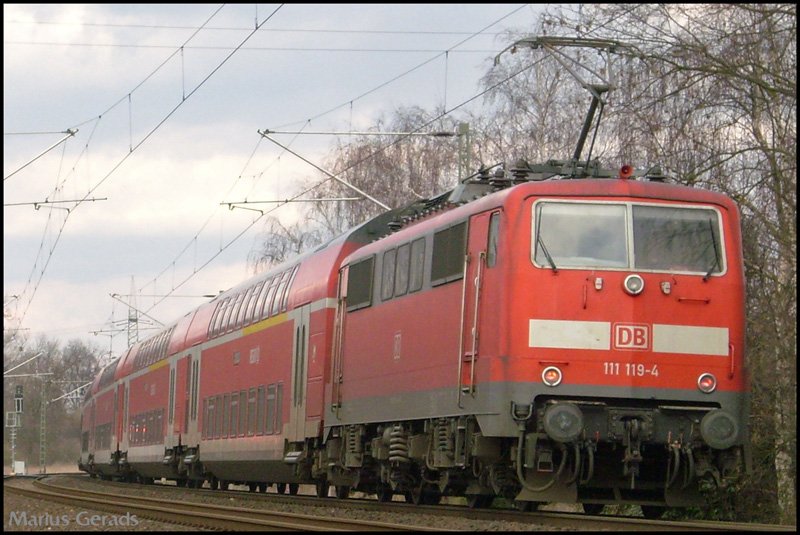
(548, 340)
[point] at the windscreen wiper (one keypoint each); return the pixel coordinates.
(540, 241)
(716, 252)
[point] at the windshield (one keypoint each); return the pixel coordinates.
(627, 236)
(676, 239)
(581, 235)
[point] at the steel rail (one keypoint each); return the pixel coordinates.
(201, 514)
(553, 519)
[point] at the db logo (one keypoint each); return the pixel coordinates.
(631, 336)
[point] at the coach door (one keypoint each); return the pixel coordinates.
(481, 253)
(297, 410)
(119, 411)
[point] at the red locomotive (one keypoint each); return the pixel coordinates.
(529, 336)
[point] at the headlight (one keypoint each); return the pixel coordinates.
(719, 429)
(633, 284)
(563, 422)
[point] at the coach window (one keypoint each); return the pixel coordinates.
(401, 270)
(251, 306)
(491, 247)
(195, 380)
(242, 412)
(231, 318)
(260, 410)
(204, 427)
(234, 414)
(270, 427)
(171, 395)
(243, 309)
(387, 278)
(223, 326)
(279, 294)
(270, 294)
(219, 315)
(449, 246)
(162, 346)
(285, 301)
(359, 284)
(251, 412)
(220, 407)
(226, 403)
(278, 407)
(212, 414)
(262, 308)
(214, 317)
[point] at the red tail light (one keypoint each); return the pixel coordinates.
(707, 383)
(626, 171)
(551, 376)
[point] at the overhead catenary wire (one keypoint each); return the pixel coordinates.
(255, 48)
(69, 133)
(308, 190)
(145, 138)
(409, 71)
(194, 239)
(241, 28)
(318, 184)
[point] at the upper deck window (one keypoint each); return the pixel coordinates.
(644, 237)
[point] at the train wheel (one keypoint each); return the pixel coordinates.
(180, 483)
(252, 486)
(293, 488)
(342, 491)
(224, 485)
(593, 508)
(384, 494)
(213, 483)
(652, 512)
(322, 489)
(262, 487)
(431, 497)
(280, 487)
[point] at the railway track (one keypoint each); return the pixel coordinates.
(205, 515)
(552, 520)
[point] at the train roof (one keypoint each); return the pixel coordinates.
(483, 193)
(312, 282)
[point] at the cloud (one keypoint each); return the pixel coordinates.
(91, 309)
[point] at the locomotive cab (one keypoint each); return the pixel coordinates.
(632, 332)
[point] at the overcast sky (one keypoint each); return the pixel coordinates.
(165, 102)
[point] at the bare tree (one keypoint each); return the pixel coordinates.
(60, 371)
(394, 169)
(709, 93)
